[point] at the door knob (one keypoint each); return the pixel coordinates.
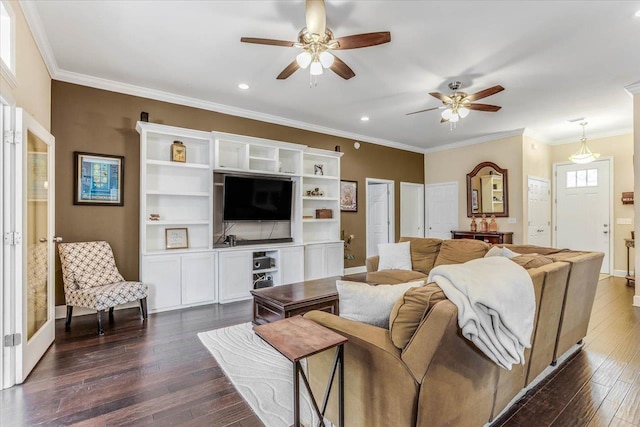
(57, 239)
(606, 232)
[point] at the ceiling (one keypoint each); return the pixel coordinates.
(557, 61)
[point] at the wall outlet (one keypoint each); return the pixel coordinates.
(623, 221)
(511, 221)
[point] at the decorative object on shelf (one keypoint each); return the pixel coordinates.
(349, 196)
(318, 169)
(307, 216)
(154, 217)
(324, 213)
(584, 155)
(474, 201)
(627, 198)
(483, 224)
(474, 224)
(633, 235)
(176, 238)
(337, 148)
(493, 225)
(315, 192)
(144, 116)
(347, 242)
(178, 152)
(98, 179)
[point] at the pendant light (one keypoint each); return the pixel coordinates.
(584, 155)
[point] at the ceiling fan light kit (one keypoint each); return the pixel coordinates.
(584, 155)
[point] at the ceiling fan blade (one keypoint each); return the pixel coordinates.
(291, 68)
(342, 69)
(441, 97)
(316, 17)
(270, 42)
(484, 93)
(363, 40)
(422, 111)
(483, 107)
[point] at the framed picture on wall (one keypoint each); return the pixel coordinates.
(98, 179)
(349, 196)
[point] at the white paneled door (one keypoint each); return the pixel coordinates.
(411, 209)
(379, 206)
(442, 209)
(539, 211)
(583, 208)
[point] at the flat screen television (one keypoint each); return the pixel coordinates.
(256, 199)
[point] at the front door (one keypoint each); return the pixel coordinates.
(442, 209)
(583, 208)
(539, 211)
(34, 244)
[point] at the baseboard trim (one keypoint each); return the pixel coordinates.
(355, 270)
(621, 273)
(636, 301)
(61, 310)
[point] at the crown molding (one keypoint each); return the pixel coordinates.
(601, 135)
(537, 136)
(31, 15)
(633, 89)
(478, 140)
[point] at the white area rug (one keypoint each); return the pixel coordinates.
(263, 376)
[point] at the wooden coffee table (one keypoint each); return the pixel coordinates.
(297, 338)
(280, 302)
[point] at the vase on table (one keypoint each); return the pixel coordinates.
(493, 225)
(474, 224)
(483, 224)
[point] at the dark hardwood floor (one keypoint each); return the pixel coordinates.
(159, 373)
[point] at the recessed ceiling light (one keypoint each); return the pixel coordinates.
(243, 86)
(364, 118)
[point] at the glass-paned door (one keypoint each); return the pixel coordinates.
(35, 283)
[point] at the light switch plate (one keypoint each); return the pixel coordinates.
(511, 221)
(623, 221)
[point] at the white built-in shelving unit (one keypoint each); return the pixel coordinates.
(186, 195)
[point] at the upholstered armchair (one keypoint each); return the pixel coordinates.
(92, 280)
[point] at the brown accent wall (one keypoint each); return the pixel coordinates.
(98, 121)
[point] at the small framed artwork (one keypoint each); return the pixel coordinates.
(318, 169)
(176, 238)
(474, 201)
(178, 152)
(349, 196)
(98, 179)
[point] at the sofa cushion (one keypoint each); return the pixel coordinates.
(424, 252)
(409, 311)
(531, 260)
(393, 277)
(98, 277)
(370, 304)
(458, 251)
(394, 256)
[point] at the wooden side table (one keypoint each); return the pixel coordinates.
(629, 243)
(297, 338)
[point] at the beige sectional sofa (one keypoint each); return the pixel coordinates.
(439, 378)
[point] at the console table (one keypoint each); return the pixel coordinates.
(629, 243)
(494, 237)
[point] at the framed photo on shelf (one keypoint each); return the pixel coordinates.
(176, 238)
(178, 152)
(98, 179)
(318, 169)
(349, 196)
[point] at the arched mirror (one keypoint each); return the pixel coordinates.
(487, 191)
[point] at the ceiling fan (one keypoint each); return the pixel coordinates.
(458, 104)
(317, 40)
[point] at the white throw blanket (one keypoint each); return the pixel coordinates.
(496, 305)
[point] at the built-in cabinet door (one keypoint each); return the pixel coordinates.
(198, 278)
(162, 275)
(234, 277)
(335, 259)
(292, 265)
(315, 262)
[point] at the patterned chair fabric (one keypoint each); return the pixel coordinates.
(91, 278)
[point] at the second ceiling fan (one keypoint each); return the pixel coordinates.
(317, 42)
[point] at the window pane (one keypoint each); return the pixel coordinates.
(5, 36)
(592, 177)
(571, 179)
(581, 178)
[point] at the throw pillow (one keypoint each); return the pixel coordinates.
(410, 310)
(370, 304)
(105, 276)
(423, 252)
(458, 251)
(501, 251)
(394, 256)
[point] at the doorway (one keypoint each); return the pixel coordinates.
(583, 208)
(539, 211)
(411, 209)
(442, 209)
(380, 213)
